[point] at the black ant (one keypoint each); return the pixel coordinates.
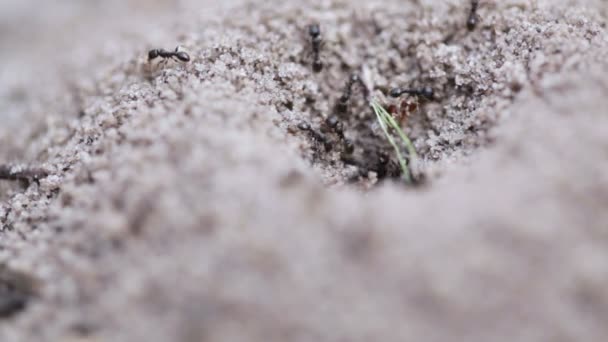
(334, 123)
(342, 105)
(337, 126)
(473, 19)
(425, 92)
(181, 56)
(318, 136)
(314, 31)
(24, 175)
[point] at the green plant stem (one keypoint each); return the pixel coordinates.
(385, 120)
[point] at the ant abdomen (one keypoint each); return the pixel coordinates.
(314, 30)
(153, 54)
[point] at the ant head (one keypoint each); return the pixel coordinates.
(152, 54)
(182, 56)
(396, 92)
(332, 121)
(314, 30)
(427, 92)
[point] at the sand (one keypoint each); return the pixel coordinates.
(184, 203)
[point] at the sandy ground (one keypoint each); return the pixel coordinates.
(184, 204)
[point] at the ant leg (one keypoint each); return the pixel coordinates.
(163, 63)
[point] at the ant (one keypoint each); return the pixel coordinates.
(314, 31)
(24, 175)
(318, 136)
(473, 19)
(337, 126)
(425, 92)
(342, 105)
(175, 55)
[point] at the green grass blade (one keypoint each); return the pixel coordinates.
(385, 120)
(408, 143)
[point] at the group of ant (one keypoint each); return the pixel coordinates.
(375, 158)
(376, 161)
(382, 165)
